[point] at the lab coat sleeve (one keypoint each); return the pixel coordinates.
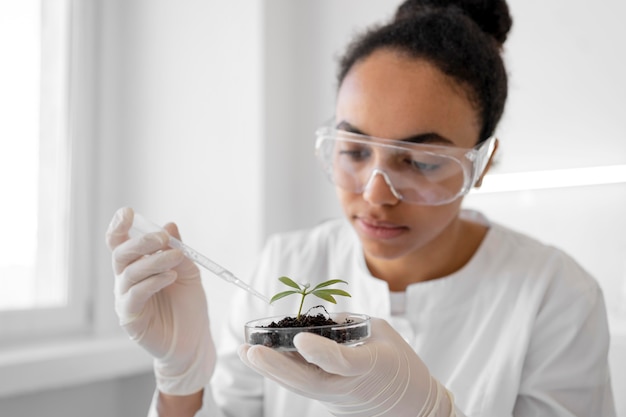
(566, 371)
(209, 409)
(458, 412)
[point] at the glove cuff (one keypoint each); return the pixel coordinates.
(439, 403)
(186, 380)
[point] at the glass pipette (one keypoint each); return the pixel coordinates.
(142, 226)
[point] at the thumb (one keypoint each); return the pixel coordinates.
(335, 358)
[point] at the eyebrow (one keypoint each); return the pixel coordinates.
(428, 137)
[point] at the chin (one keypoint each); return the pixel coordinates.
(384, 250)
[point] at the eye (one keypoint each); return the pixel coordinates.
(354, 152)
(423, 165)
(420, 161)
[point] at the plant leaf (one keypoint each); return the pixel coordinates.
(328, 294)
(333, 291)
(328, 283)
(289, 282)
(325, 295)
(336, 291)
(282, 294)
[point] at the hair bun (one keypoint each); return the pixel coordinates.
(492, 16)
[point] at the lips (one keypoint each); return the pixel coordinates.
(379, 229)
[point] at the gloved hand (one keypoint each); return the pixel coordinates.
(382, 377)
(161, 304)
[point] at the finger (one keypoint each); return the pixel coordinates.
(269, 361)
(172, 229)
(286, 368)
(333, 357)
(132, 303)
(186, 268)
(146, 267)
(117, 232)
(245, 352)
(242, 351)
(133, 249)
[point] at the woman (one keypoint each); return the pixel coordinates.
(471, 318)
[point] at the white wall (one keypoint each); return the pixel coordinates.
(188, 118)
(566, 69)
(181, 123)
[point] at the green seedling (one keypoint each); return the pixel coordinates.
(321, 290)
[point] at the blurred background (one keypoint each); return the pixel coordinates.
(203, 113)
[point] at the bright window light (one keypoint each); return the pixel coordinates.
(557, 178)
(34, 157)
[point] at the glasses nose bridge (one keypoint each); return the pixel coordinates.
(370, 182)
(381, 161)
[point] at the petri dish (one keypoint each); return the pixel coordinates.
(350, 329)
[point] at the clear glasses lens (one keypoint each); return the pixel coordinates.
(420, 174)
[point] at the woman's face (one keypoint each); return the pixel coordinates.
(392, 96)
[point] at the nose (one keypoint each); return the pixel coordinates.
(379, 190)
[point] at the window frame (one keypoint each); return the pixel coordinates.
(82, 343)
(61, 220)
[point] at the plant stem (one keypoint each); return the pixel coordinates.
(304, 294)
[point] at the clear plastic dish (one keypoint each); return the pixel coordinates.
(351, 329)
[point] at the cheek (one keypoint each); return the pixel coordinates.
(346, 199)
(429, 222)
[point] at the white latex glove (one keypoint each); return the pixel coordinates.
(162, 306)
(382, 377)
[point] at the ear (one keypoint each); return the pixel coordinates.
(495, 149)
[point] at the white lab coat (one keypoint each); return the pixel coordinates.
(521, 330)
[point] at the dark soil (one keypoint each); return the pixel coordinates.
(306, 323)
(303, 321)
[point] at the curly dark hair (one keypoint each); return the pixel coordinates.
(463, 39)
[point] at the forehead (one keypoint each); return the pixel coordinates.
(391, 95)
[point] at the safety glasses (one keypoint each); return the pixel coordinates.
(416, 173)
